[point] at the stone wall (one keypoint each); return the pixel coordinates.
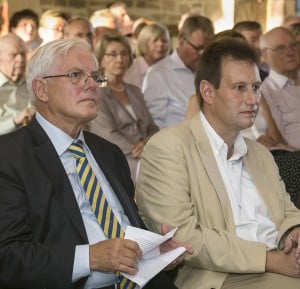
(166, 11)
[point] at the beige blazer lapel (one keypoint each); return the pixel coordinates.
(208, 160)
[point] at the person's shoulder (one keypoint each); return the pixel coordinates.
(256, 148)
(132, 87)
(160, 66)
(173, 136)
(98, 142)
(15, 143)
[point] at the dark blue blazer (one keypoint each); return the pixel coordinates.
(40, 222)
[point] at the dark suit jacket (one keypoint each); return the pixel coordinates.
(40, 222)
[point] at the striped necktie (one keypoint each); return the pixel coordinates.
(104, 214)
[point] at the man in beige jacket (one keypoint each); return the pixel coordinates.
(223, 192)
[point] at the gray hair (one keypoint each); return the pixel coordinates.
(41, 63)
(195, 22)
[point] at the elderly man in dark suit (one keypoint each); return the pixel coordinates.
(50, 222)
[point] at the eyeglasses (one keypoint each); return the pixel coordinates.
(199, 49)
(82, 76)
(284, 48)
(114, 55)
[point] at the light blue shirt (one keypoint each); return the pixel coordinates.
(61, 142)
(167, 87)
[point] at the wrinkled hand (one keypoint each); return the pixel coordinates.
(173, 244)
(292, 243)
(282, 263)
(115, 255)
(24, 116)
(138, 149)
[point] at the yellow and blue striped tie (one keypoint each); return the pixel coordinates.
(104, 214)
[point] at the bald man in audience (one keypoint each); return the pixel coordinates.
(14, 96)
(281, 88)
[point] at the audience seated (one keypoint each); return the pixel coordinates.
(265, 131)
(123, 117)
(14, 96)
(79, 26)
(52, 24)
(222, 192)
(169, 83)
(25, 23)
(153, 45)
(66, 195)
(281, 88)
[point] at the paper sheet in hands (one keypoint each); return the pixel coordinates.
(152, 261)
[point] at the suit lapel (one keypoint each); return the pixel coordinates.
(208, 160)
(51, 164)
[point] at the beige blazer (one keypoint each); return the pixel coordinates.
(179, 184)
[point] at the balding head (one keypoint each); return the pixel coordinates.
(279, 50)
(12, 57)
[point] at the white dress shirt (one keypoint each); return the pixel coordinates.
(167, 87)
(61, 142)
(250, 214)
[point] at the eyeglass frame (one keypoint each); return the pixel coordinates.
(199, 49)
(104, 78)
(284, 48)
(115, 55)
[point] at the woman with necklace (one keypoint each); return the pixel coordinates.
(123, 117)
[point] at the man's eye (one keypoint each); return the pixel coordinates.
(75, 74)
(239, 88)
(256, 88)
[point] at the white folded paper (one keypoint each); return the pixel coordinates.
(152, 261)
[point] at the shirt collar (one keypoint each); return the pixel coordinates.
(177, 61)
(59, 138)
(4, 80)
(218, 144)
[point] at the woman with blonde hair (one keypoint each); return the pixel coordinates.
(154, 43)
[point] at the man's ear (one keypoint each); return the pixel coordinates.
(206, 90)
(40, 87)
(263, 55)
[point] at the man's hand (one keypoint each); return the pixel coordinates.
(173, 244)
(115, 255)
(283, 263)
(138, 149)
(292, 241)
